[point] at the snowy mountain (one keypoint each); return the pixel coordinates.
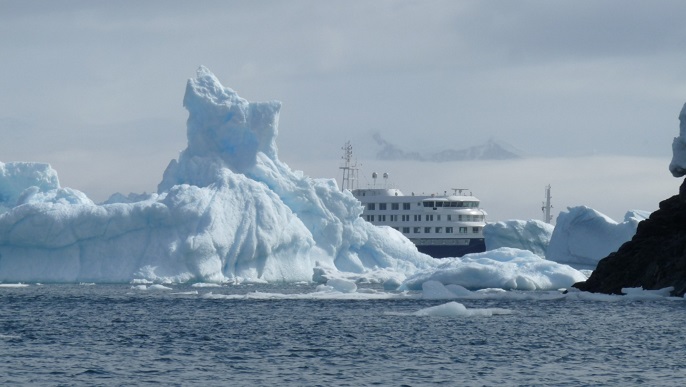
(491, 150)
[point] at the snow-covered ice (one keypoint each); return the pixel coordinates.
(504, 268)
(226, 210)
(455, 309)
(533, 235)
(583, 236)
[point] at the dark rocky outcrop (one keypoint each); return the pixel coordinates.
(655, 258)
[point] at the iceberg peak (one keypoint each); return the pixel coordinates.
(223, 131)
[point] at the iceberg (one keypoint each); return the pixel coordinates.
(532, 235)
(503, 268)
(227, 210)
(583, 236)
(678, 164)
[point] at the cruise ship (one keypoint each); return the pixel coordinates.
(447, 225)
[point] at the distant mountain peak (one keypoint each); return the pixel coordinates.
(490, 150)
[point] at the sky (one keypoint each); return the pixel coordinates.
(588, 91)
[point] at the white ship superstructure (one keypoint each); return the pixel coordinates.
(440, 226)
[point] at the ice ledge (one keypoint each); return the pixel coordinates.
(678, 165)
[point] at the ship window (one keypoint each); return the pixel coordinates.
(370, 218)
(438, 218)
(439, 230)
(428, 204)
(406, 218)
(394, 218)
(395, 206)
(463, 230)
(427, 230)
(370, 206)
(439, 204)
(382, 218)
(475, 230)
(450, 218)
(448, 230)
(382, 206)
(460, 204)
(417, 218)
(460, 218)
(429, 218)
(406, 230)
(417, 230)
(406, 206)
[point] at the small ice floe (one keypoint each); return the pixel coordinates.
(642, 294)
(151, 287)
(628, 294)
(434, 290)
(338, 285)
(158, 287)
(139, 287)
(17, 285)
(140, 281)
(455, 309)
(206, 285)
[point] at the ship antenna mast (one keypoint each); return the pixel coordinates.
(349, 168)
(547, 206)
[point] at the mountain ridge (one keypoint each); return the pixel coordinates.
(490, 150)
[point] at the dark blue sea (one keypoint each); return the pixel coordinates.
(113, 335)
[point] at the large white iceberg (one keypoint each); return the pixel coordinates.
(532, 235)
(583, 236)
(227, 210)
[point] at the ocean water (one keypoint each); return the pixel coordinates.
(286, 335)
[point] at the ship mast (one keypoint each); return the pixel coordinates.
(547, 206)
(349, 168)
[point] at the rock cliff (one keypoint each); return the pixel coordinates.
(655, 258)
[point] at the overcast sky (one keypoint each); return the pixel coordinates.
(95, 88)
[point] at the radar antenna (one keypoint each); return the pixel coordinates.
(458, 191)
(349, 168)
(547, 206)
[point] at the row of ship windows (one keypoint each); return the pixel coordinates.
(428, 218)
(382, 206)
(406, 206)
(438, 230)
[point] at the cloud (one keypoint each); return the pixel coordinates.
(553, 79)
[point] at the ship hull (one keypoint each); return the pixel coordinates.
(476, 245)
